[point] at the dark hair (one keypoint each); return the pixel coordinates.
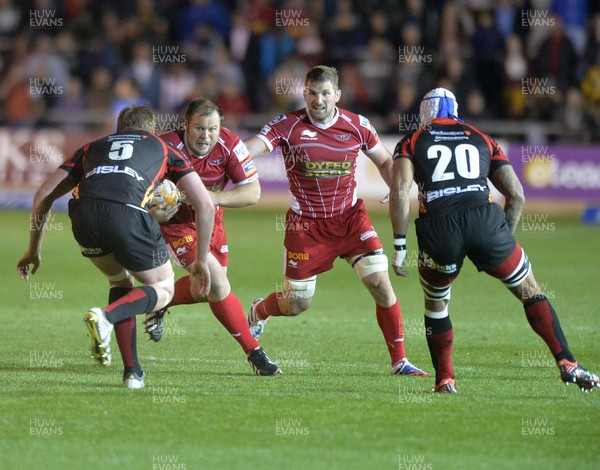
(322, 74)
(136, 117)
(204, 107)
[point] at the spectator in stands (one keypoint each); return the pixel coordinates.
(573, 14)
(211, 12)
(515, 68)
(575, 129)
(72, 105)
(310, 47)
(126, 94)
(176, 86)
(145, 70)
(404, 116)
(488, 49)
(100, 94)
(592, 44)
(412, 56)
(590, 87)
(99, 40)
(557, 59)
(10, 16)
(354, 91)
(346, 35)
(234, 103)
(376, 71)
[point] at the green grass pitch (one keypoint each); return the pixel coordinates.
(336, 406)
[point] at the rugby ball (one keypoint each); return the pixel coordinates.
(166, 193)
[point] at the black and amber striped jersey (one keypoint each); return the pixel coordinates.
(452, 162)
(125, 167)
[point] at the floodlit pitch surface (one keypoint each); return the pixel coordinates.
(336, 406)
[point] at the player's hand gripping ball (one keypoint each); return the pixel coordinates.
(165, 201)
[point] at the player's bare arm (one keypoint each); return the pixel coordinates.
(256, 146)
(507, 182)
(56, 185)
(382, 159)
(402, 177)
(241, 195)
(197, 195)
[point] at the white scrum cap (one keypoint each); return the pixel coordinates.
(438, 103)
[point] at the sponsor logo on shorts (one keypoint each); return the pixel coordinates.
(327, 169)
(182, 241)
(369, 234)
(181, 250)
(224, 249)
(442, 268)
(292, 255)
(292, 263)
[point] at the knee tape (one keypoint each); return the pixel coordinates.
(119, 277)
(165, 282)
(437, 315)
(435, 293)
(520, 273)
(303, 289)
(369, 264)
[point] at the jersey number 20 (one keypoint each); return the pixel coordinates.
(465, 155)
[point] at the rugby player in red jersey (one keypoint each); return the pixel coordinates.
(320, 145)
(451, 162)
(113, 179)
(219, 157)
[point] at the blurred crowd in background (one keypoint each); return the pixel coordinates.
(75, 63)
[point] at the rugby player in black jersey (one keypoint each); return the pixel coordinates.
(451, 161)
(112, 180)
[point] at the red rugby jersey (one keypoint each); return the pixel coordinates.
(229, 160)
(320, 160)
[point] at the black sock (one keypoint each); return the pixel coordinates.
(440, 337)
(125, 332)
(542, 318)
(139, 300)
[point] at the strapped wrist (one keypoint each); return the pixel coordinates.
(399, 242)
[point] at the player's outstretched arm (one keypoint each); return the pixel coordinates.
(256, 146)
(56, 185)
(241, 195)
(507, 182)
(402, 177)
(197, 195)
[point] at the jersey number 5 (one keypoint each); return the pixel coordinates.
(465, 155)
(121, 150)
